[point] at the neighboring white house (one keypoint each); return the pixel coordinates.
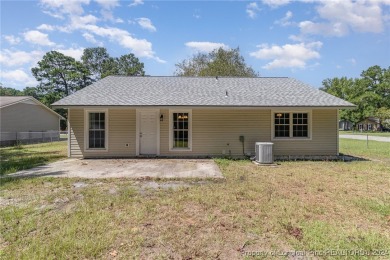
(24, 114)
(345, 124)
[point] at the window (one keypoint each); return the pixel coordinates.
(282, 125)
(300, 125)
(180, 131)
(360, 127)
(291, 125)
(96, 130)
(369, 127)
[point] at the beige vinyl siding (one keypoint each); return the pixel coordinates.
(218, 130)
(121, 131)
(324, 137)
(213, 131)
(22, 117)
(76, 119)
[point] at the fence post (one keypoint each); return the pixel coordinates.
(367, 142)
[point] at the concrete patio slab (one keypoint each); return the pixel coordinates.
(126, 168)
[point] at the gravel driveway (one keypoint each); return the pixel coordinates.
(128, 168)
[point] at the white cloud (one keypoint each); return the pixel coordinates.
(275, 3)
(53, 14)
(46, 27)
(327, 29)
(17, 77)
(252, 9)
(206, 46)
(79, 21)
(36, 37)
(90, 38)
(285, 21)
(296, 38)
(87, 24)
(12, 39)
(108, 4)
(10, 58)
(341, 17)
(146, 24)
(107, 7)
(196, 14)
(136, 2)
(288, 55)
(139, 47)
(72, 52)
(73, 7)
(352, 61)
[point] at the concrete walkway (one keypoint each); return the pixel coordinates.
(364, 137)
(126, 168)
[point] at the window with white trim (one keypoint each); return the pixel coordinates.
(180, 130)
(369, 127)
(96, 130)
(291, 125)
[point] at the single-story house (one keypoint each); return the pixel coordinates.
(369, 124)
(200, 116)
(21, 117)
(345, 125)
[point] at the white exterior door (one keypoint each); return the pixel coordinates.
(148, 132)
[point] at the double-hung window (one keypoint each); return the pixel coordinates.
(291, 125)
(180, 130)
(96, 134)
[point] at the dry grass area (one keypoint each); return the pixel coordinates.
(295, 206)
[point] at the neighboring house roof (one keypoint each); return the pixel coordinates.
(371, 119)
(6, 101)
(201, 91)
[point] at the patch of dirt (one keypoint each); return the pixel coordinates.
(9, 202)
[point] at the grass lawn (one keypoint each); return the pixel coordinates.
(295, 206)
(22, 157)
(375, 150)
(385, 134)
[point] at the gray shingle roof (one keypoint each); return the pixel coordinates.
(9, 100)
(200, 91)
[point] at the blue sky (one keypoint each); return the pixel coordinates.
(308, 40)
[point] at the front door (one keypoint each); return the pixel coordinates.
(148, 132)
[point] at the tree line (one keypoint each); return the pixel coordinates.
(370, 93)
(59, 75)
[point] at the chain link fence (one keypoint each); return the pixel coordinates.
(15, 138)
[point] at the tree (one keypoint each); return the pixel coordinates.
(129, 65)
(383, 114)
(377, 81)
(5, 91)
(219, 62)
(31, 91)
(95, 60)
(370, 93)
(100, 64)
(59, 75)
(27, 91)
